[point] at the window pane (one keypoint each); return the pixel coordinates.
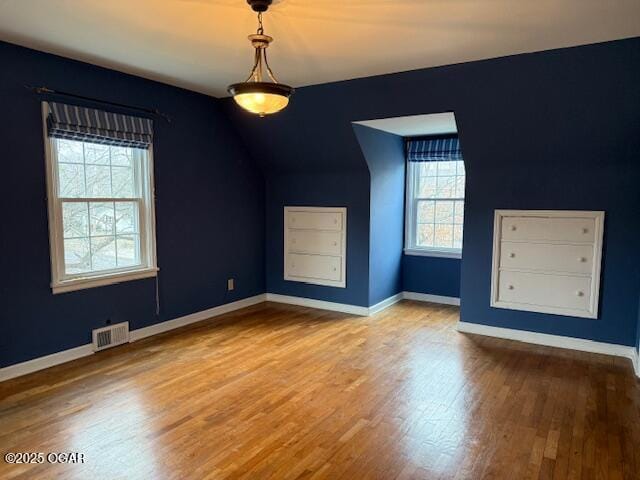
(460, 167)
(427, 187)
(126, 217)
(457, 236)
(76, 256)
(446, 168)
(128, 250)
(446, 187)
(425, 235)
(426, 211)
(443, 236)
(460, 187)
(101, 218)
(459, 213)
(103, 253)
(444, 212)
(122, 156)
(75, 219)
(95, 154)
(123, 185)
(69, 151)
(98, 181)
(71, 178)
(428, 169)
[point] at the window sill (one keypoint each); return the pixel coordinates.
(432, 253)
(103, 280)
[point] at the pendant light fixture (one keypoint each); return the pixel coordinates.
(254, 94)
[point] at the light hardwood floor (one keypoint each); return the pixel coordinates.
(283, 392)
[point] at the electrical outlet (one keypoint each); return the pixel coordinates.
(230, 284)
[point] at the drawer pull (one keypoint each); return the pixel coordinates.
(513, 228)
(582, 259)
(335, 269)
(335, 244)
(510, 287)
(580, 293)
(512, 255)
(585, 230)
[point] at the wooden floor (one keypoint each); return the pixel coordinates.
(285, 392)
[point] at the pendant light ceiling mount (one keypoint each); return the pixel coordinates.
(254, 94)
(260, 5)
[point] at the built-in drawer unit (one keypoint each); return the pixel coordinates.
(315, 245)
(547, 261)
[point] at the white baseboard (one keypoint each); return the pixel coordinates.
(557, 341)
(320, 304)
(427, 297)
(636, 362)
(358, 310)
(162, 327)
(40, 363)
(386, 303)
(30, 366)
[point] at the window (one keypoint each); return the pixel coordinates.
(435, 207)
(100, 213)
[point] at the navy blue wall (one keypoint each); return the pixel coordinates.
(384, 154)
(432, 275)
(210, 217)
(556, 129)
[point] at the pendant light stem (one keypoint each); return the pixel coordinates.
(260, 26)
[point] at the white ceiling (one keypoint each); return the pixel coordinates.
(202, 45)
(415, 125)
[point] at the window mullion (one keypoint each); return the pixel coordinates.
(89, 237)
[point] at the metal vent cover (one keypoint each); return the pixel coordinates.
(110, 336)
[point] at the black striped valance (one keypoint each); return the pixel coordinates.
(97, 126)
(434, 149)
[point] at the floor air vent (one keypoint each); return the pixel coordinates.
(110, 336)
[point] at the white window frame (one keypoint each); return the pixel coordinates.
(411, 220)
(61, 282)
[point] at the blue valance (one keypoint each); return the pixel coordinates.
(90, 125)
(434, 149)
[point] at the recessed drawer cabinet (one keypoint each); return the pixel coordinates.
(315, 245)
(547, 261)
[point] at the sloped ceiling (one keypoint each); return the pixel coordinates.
(202, 45)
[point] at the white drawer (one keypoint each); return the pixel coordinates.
(315, 220)
(548, 229)
(315, 241)
(321, 267)
(558, 291)
(547, 257)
